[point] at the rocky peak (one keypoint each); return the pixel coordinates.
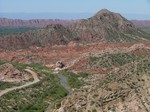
(106, 15)
(102, 12)
(106, 26)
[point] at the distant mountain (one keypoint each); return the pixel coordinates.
(105, 26)
(46, 15)
(141, 23)
(4, 22)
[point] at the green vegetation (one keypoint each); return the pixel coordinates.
(2, 62)
(114, 37)
(4, 85)
(109, 60)
(34, 98)
(83, 74)
(131, 72)
(73, 80)
(14, 30)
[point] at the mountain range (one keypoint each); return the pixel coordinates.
(104, 26)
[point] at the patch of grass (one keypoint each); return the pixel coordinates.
(73, 80)
(19, 66)
(57, 92)
(129, 73)
(4, 85)
(2, 62)
(109, 60)
(14, 30)
(83, 74)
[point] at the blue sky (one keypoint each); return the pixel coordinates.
(126, 7)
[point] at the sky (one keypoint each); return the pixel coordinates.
(137, 9)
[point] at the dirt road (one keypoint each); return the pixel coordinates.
(34, 75)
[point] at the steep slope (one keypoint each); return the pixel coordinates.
(106, 26)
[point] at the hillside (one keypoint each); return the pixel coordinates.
(105, 26)
(51, 35)
(119, 83)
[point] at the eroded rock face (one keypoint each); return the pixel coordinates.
(9, 73)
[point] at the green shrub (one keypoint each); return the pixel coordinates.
(73, 80)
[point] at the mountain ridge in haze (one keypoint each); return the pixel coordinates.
(5, 22)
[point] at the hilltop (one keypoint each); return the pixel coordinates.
(107, 26)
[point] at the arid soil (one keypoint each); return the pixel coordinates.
(72, 56)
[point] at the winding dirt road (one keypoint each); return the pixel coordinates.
(34, 75)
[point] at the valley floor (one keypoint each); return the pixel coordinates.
(104, 77)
